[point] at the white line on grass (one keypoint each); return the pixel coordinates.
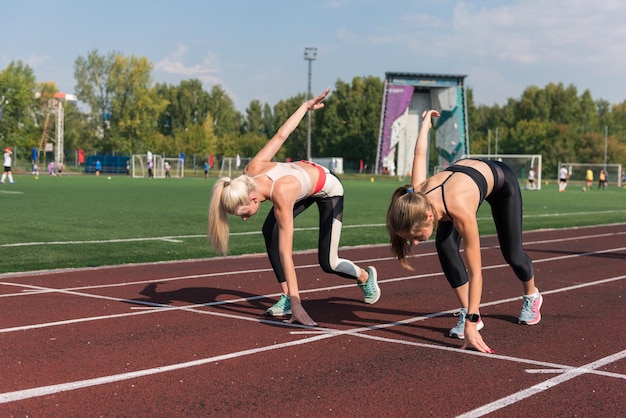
(179, 238)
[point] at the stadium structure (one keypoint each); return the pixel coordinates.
(405, 97)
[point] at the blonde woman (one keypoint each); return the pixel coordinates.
(292, 188)
(448, 202)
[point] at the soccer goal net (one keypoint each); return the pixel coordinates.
(140, 167)
(174, 167)
(233, 166)
(578, 173)
(525, 166)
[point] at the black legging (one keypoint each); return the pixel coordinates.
(331, 210)
(506, 209)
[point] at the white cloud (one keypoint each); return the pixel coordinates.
(208, 71)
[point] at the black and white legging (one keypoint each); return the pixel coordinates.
(506, 209)
(331, 216)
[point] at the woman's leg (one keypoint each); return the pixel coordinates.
(270, 234)
(506, 209)
(448, 241)
(331, 216)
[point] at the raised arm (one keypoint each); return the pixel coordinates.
(273, 145)
(420, 159)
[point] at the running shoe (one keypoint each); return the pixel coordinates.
(280, 308)
(459, 330)
(530, 314)
(370, 288)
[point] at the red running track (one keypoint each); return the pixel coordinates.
(190, 338)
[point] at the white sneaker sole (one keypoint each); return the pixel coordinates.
(480, 326)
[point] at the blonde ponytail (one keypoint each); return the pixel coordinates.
(227, 195)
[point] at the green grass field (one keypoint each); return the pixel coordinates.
(83, 221)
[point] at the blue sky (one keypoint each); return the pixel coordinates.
(255, 49)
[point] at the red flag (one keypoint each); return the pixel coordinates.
(81, 156)
(210, 161)
(361, 166)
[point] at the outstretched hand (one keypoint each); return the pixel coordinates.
(428, 114)
(300, 316)
(475, 340)
(316, 102)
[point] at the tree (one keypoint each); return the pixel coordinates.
(92, 88)
(135, 105)
(18, 126)
(349, 124)
(226, 119)
(295, 146)
(187, 104)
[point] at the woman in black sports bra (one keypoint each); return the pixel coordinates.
(447, 202)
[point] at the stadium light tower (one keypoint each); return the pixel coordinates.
(309, 54)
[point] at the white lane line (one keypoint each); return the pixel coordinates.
(358, 332)
(543, 386)
(80, 384)
(244, 272)
(42, 391)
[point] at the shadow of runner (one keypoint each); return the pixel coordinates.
(225, 299)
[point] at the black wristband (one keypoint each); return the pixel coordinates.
(472, 317)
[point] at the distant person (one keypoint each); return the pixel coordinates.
(128, 167)
(98, 168)
(7, 166)
(206, 169)
(61, 166)
(563, 177)
(150, 174)
(167, 170)
(530, 185)
(589, 178)
(35, 169)
(292, 188)
(602, 180)
(51, 168)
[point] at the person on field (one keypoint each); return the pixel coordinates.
(589, 178)
(530, 181)
(7, 166)
(447, 202)
(291, 187)
(602, 180)
(563, 177)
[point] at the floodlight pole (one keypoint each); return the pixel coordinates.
(606, 141)
(309, 55)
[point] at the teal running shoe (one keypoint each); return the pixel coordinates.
(280, 308)
(370, 288)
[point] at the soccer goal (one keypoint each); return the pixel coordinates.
(139, 166)
(521, 164)
(578, 173)
(176, 167)
(233, 166)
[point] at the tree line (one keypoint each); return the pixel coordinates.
(123, 111)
